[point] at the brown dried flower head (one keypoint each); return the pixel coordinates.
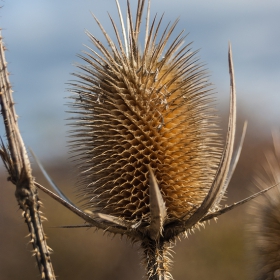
(145, 136)
(139, 109)
(264, 227)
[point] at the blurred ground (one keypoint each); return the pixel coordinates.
(216, 252)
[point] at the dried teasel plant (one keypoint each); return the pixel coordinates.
(264, 228)
(146, 139)
(16, 161)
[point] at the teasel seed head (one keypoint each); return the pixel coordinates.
(264, 229)
(146, 138)
(137, 110)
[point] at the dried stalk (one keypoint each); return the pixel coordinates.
(157, 258)
(18, 166)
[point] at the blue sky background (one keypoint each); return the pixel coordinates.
(43, 38)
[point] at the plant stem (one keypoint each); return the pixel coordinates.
(18, 165)
(156, 258)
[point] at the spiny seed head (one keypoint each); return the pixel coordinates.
(136, 110)
(265, 226)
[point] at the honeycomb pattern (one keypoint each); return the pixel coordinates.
(141, 109)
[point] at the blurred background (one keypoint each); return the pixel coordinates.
(43, 38)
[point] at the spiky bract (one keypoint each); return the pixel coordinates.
(143, 108)
(265, 226)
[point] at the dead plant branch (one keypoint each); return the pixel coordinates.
(16, 161)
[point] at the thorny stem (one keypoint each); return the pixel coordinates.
(156, 258)
(17, 163)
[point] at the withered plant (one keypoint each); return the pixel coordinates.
(264, 228)
(16, 161)
(145, 135)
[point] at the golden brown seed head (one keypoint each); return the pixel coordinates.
(136, 109)
(265, 226)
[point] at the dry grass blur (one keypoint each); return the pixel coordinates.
(217, 252)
